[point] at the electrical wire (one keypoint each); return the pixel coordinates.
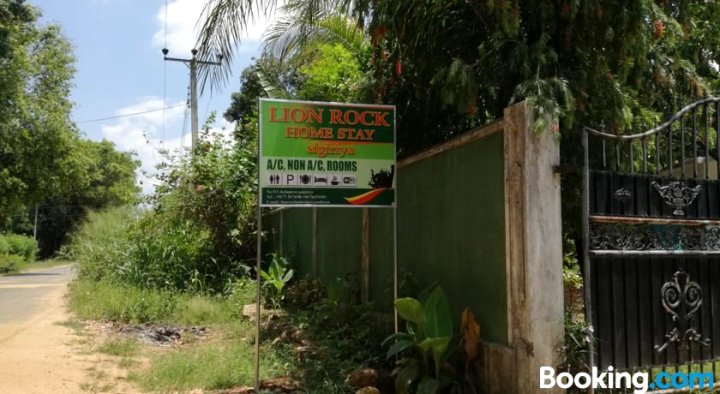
(128, 115)
(162, 137)
(207, 110)
(185, 121)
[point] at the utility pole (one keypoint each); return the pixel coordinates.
(193, 64)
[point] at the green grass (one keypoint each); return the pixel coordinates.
(121, 347)
(106, 301)
(221, 361)
(211, 367)
(127, 304)
(44, 264)
(203, 310)
(225, 358)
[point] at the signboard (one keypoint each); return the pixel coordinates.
(326, 154)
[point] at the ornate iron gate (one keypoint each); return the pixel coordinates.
(651, 231)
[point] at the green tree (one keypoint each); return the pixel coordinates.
(455, 64)
(46, 168)
(266, 77)
(332, 74)
(103, 177)
(36, 134)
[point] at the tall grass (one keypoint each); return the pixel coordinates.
(101, 245)
(108, 301)
(130, 304)
(149, 250)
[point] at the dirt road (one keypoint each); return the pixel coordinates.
(38, 354)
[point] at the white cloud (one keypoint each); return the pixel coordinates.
(143, 134)
(183, 27)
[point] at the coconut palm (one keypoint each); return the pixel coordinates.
(225, 21)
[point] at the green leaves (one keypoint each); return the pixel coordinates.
(428, 386)
(277, 277)
(430, 335)
(438, 320)
(411, 310)
(398, 347)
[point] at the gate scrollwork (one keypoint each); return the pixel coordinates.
(677, 195)
(682, 298)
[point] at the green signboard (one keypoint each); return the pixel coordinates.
(326, 154)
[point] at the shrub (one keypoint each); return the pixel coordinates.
(10, 263)
(19, 245)
(199, 228)
(168, 254)
(4, 246)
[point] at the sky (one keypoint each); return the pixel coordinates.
(120, 71)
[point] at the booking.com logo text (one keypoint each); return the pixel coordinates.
(637, 381)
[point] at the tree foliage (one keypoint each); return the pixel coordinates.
(44, 162)
(333, 73)
(452, 65)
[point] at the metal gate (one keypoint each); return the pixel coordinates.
(651, 232)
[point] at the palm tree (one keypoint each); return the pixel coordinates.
(224, 22)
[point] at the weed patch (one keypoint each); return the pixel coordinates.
(106, 301)
(210, 367)
(120, 347)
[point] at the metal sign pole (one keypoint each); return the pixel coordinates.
(257, 297)
(395, 265)
(586, 247)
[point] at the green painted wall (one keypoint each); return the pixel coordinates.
(339, 242)
(451, 231)
(451, 214)
(297, 237)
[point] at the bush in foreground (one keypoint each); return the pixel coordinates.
(11, 263)
(18, 245)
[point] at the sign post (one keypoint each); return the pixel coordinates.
(316, 154)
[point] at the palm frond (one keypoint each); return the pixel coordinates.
(223, 24)
(270, 82)
(289, 35)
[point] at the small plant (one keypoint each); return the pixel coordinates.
(576, 351)
(427, 363)
(424, 347)
(572, 278)
(276, 279)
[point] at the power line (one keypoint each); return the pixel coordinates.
(128, 115)
(185, 121)
(164, 75)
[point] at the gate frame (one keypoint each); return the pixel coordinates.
(629, 138)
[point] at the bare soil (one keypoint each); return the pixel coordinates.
(44, 354)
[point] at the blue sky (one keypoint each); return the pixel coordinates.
(120, 70)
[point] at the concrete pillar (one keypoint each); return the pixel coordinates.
(533, 247)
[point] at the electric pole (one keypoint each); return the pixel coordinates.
(193, 64)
